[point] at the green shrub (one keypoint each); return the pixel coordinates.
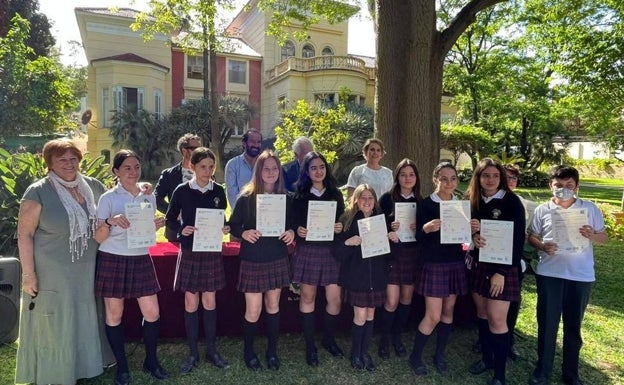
(464, 174)
(615, 231)
(17, 172)
(534, 178)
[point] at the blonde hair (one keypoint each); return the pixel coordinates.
(352, 208)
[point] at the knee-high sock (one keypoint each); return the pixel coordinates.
(210, 330)
(151, 330)
(329, 328)
(357, 333)
(500, 344)
(367, 337)
(512, 319)
(443, 334)
(272, 329)
(420, 340)
(400, 322)
(191, 324)
(486, 343)
(386, 320)
(307, 323)
(116, 340)
(250, 329)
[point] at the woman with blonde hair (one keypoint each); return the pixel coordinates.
(372, 172)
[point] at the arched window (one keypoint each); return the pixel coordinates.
(308, 51)
(288, 50)
(327, 51)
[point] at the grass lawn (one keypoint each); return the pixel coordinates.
(602, 356)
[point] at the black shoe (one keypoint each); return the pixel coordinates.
(513, 353)
(418, 368)
(273, 362)
(158, 372)
(479, 367)
(122, 378)
(367, 360)
(312, 358)
(357, 363)
(218, 361)
(189, 365)
(538, 380)
(496, 381)
(383, 352)
(333, 349)
(253, 363)
(440, 364)
(399, 349)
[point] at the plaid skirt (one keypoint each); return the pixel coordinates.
(366, 298)
(125, 276)
(315, 265)
(258, 277)
(403, 267)
(481, 283)
(199, 271)
(440, 280)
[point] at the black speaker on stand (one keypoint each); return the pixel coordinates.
(10, 291)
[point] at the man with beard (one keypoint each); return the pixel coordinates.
(170, 178)
(239, 169)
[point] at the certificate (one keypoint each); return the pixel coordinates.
(405, 214)
(566, 234)
(321, 219)
(142, 230)
(374, 236)
(208, 235)
(271, 214)
(498, 237)
(455, 222)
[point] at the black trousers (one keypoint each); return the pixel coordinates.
(560, 298)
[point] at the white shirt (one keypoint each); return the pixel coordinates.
(380, 180)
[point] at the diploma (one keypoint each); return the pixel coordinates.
(321, 219)
(405, 214)
(455, 222)
(271, 214)
(498, 237)
(142, 230)
(374, 236)
(208, 235)
(566, 234)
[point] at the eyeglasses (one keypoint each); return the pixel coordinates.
(31, 306)
(509, 177)
(190, 148)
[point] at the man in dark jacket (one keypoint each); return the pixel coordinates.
(171, 177)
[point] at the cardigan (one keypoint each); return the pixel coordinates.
(431, 250)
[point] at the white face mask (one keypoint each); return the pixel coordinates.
(563, 194)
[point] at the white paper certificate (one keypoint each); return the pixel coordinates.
(374, 236)
(405, 214)
(455, 222)
(208, 235)
(271, 214)
(321, 219)
(498, 237)
(566, 225)
(142, 230)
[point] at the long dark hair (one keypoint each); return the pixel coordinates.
(396, 187)
(474, 188)
(305, 182)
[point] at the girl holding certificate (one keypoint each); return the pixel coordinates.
(123, 272)
(198, 271)
(396, 309)
(495, 284)
(314, 263)
(264, 259)
(442, 276)
(365, 279)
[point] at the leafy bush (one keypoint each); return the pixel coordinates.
(465, 174)
(615, 228)
(17, 172)
(533, 178)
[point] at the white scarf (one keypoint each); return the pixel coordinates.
(81, 226)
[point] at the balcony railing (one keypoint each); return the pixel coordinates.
(319, 63)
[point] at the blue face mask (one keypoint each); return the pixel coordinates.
(563, 194)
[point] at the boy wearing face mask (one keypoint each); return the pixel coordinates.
(564, 278)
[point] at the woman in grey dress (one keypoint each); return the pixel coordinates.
(59, 339)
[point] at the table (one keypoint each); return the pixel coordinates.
(231, 303)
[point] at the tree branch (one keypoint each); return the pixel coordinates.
(464, 18)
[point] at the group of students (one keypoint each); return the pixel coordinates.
(437, 271)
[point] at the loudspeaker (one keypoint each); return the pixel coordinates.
(10, 291)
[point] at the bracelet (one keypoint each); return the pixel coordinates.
(107, 223)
